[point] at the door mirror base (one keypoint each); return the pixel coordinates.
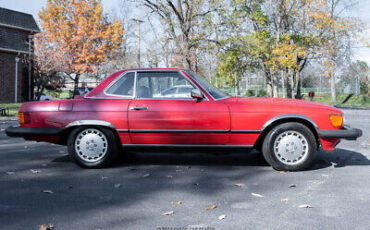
(195, 93)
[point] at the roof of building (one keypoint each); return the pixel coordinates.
(12, 41)
(17, 20)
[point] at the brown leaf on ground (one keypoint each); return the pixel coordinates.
(240, 185)
(256, 195)
(177, 202)
(211, 207)
(168, 213)
(222, 217)
(46, 227)
(47, 191)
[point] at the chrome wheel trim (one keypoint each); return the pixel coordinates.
(91, 145)
(291, 147)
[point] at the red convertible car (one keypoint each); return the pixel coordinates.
(176, 107)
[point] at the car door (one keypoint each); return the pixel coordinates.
(157, 117)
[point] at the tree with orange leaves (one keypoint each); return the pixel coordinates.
(81, 37)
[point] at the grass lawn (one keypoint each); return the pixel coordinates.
(13, 108)
(343, 100)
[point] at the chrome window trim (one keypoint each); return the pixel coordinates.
(175, 71)
(284, 116)
(117, 79)
(90, 122)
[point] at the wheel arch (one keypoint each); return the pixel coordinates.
(88, 123)
(275, 121)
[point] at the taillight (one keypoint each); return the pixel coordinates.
(24, 118)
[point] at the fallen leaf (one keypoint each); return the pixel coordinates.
(292, 186)
(222, 217)
(282, 172)
(178, 202)
(211, 207)
(256, 195)
(46, 227)
(305, 206)
(240, 185)
(47, 191)
(146, 175)
(117, 185)
(10, 173)
(168, 213)
(284, 200)
(35, 171)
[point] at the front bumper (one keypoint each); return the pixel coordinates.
(346, 132)
(17, 131)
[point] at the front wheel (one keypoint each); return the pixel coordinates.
(290, 147)
(92, 147)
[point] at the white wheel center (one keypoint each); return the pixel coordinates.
(291, 147)
(91, 145)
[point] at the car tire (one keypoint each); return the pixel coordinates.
(290, 147)
(92, 147)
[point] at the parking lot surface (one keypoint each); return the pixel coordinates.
(197, 188)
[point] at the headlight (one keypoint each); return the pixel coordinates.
(336, 120)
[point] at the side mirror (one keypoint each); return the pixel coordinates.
(195, 93)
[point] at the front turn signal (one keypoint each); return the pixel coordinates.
(23, 118)
(336, 120)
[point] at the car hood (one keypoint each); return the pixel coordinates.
(291, 105)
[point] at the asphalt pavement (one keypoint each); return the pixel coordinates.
(196, 188)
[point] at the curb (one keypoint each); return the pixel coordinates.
(350, 107)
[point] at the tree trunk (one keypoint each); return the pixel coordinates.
(275, 86)
(76, 81)
(269, 89)
(332, 88)
(298, 85)
(282, 82)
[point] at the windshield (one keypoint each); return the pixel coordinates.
(213, 91)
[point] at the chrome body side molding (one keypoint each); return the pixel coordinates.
(91, 122)
(287, 116)
(182, 145)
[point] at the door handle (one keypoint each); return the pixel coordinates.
(139, 108)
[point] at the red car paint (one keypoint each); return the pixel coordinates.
(230, 121)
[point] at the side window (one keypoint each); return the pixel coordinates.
(162, 85)
(124, 86)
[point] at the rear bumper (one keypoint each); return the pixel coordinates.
(16, 131)
(346, 132)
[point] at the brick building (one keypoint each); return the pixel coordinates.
(16, 29)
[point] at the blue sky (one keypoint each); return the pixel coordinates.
(362, 10)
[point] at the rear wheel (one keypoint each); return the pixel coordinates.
(92, 147)
(290, 146)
